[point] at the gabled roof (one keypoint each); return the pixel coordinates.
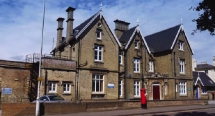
(165, 40)
(128, 35)
(205, 66)
(80, 29)
(204, 79)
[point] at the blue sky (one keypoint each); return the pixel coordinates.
(21, 22)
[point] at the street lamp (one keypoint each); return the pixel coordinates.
(39, 75)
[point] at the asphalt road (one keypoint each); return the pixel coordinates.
(203, 112)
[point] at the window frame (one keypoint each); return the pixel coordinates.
(181, 45)
(120, 88)
(96, 79)
(183, 88)
(53, 86)
(204, 90)
(136, 88)
(136, 46)
(182, 66)
(151, 66)
(98, 50)
(136, 65)
(120, 58)
(68, 86)
(98, 32)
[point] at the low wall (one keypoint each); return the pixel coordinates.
(62, 108)
(23, 109)
(18, 109)
(161, 103)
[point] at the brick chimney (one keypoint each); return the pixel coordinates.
(69, 31)
(59, 31)
(120, 27)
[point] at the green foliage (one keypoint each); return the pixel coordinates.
(206, 19)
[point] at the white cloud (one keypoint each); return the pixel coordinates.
(21, 22)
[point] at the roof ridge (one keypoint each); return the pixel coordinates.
(163, 30)
(87, 20)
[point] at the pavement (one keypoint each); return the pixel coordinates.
(139, 111)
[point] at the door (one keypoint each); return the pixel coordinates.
(156, 92)
(197, 92)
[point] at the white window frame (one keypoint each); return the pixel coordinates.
(52, 87)
(136, 44)
(120, 58)
(120, 88)
(66, 87)
(98, 49)
(204, 90)
(136, 65)
(98, 32)
(151, 66)
(136, 88)
(182, 66)
(97, 80)
(183, 88)
(165, 89)
(181, 45)
(176, 87)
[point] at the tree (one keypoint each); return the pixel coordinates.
(206, 19)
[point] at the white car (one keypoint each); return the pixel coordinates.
(51, 98)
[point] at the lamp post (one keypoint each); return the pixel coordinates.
(39, 75)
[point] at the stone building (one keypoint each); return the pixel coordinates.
(93, 63)
(207, 68)
(58, 77)
(135, 60)
(173, 63)
(95, 49)
(204, 86)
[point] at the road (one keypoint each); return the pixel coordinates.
(203, 112)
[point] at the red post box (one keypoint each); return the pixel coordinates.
(143, 98)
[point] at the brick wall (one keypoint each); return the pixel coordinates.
(161, 103)
(23, 109)
(15, 75)
(62, 108)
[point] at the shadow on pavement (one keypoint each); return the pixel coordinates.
(187, 114)
(194, 114)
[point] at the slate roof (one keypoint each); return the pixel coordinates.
(80, 29)
(126, 35)
(203, 78)
(163, 40)
(205, 66)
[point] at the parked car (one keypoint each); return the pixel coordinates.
(51, 98)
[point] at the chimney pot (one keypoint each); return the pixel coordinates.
(59, 31)
(120, 27)
(69, 31)
(70, 13)
(60, 23)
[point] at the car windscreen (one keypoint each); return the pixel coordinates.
(55, 98)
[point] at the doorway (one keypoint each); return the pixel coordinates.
(197, 92)
(156, 91)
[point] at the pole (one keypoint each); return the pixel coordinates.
(39, 75)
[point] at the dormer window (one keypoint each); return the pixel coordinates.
(136, 44)
(98, 34)
(181, 45)
(75, 32)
